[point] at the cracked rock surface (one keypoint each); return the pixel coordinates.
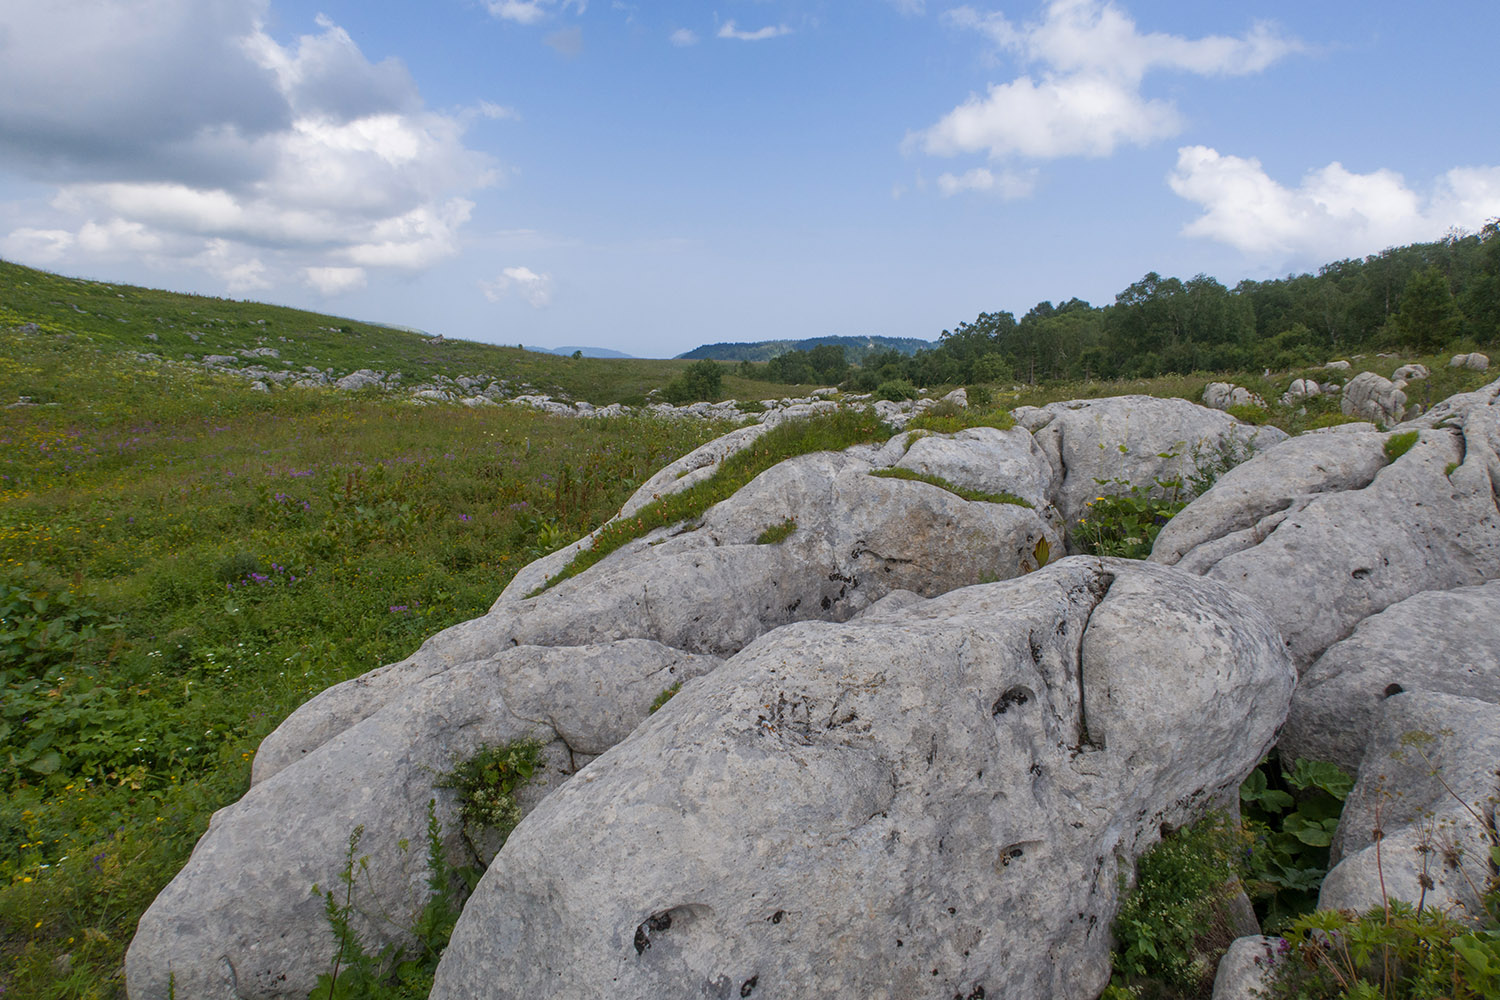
(934, 799)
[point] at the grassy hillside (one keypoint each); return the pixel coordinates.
(182, 327)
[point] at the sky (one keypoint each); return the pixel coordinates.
(649, 177)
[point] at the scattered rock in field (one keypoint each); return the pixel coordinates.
(1371, 397)
(1223, 395)
(1476, 362)
(1410, 373)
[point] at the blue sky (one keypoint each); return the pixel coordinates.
(649, 177)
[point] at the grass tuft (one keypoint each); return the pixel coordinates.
(956, 490)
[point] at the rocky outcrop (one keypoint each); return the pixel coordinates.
(1445, 641)
(1370, 397)
(1122, 443)
(1000, 754)
(1430, 783)
(1301, 530)
(1475, 362)
(1247, 970)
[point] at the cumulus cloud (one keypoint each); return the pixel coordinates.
(179, 132)
(535, 288)
(1333, 212)
(683, 37)
(1085, 96)
(728, 30)
(1005, 184)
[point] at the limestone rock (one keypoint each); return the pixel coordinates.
(1223, 395)
(1432, 827)
(240, 920)
(1246, 970)
(1322, 556)
(1341, 366)
(1476, 361)
(1410, 373)
(930, 801)
(364, 378)
(1111, 445)
(1444, 641)
(1370, 397)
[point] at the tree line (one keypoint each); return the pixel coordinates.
(1424, 297)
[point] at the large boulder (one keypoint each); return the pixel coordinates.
(933, 800)
(1447, 641)
(1322, 556)
(1223, 395)
(241, 919)
(1122, 443)
(1428, 784)
(1371, 397)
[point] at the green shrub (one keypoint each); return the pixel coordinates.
(703, 380)
(1168, 930)
(896, 390)
(1127, 524)
(1291, 817)
(952, 419)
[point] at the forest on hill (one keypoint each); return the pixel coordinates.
(1423, 297)
(855, 349)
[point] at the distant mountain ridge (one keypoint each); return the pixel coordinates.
(855, 348)
(588, 352)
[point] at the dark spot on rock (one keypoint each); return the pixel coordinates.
(794, 605)
(934, 972)
(748, 986)
(1391, 689)
(951, 911)
(1360, 574)
(1016, 696)
(653, 924)
(1035, 769)
(827, 603)
(898, 942)
(776, 917)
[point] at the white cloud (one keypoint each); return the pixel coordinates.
(240, 271)
(1332, 213)
(684, 37)
(1085, 98)
(335, 280)
(910, 7)
(728, 30)
(523, 281)
(531, 11)
(1005, 184)
(37, 246)
(283, 161)
(496, 112)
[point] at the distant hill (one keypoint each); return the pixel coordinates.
(588, 352)
(855, 348)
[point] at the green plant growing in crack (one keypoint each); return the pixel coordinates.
(1399, 444)
(487, 784)
(664, 697)
(777, 532)
(393, 972)
(958, 491)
